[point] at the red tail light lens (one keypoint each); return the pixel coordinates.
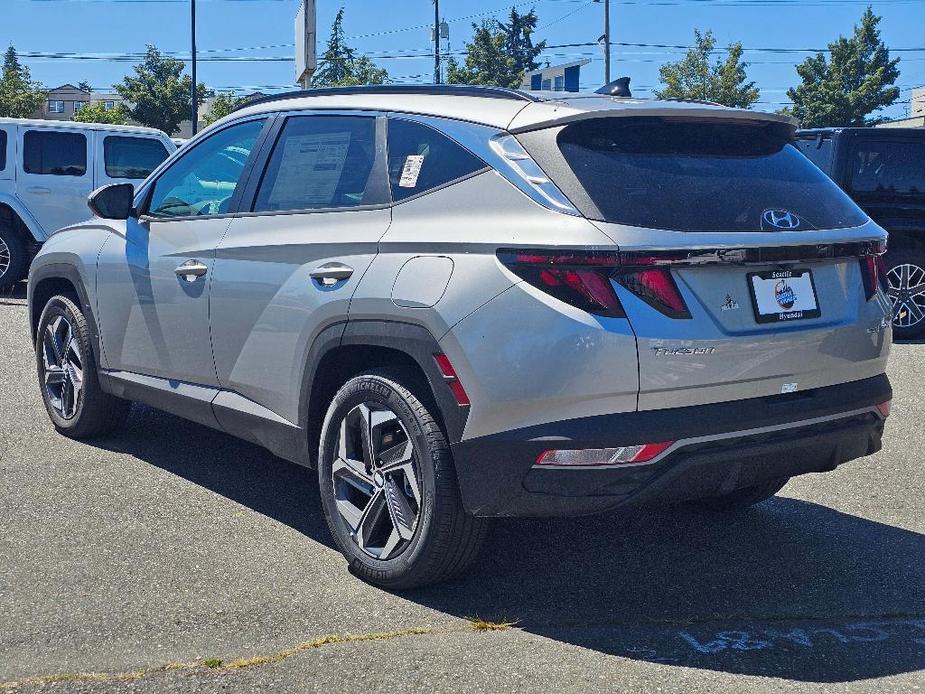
(873, 273)
(579, 279)
(884, 408)
(658, 289)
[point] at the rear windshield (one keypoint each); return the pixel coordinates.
(691, 176)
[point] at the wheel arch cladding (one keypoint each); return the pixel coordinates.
(50, 280)
(364, 345)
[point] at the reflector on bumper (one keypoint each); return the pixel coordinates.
(623, 455)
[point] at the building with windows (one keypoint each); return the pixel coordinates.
(64, 101)
(556, 78)
(916, 117)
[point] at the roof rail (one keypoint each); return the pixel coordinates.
(434, 89)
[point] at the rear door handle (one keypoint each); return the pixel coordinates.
(191, 270)
(331, 273)
(38, 190)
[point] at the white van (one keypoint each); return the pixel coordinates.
(49, 168)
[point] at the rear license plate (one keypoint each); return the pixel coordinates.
(783, 295)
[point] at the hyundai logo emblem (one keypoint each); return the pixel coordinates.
(781, 219)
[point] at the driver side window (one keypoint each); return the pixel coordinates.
(203, 181)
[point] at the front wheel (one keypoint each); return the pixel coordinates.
(388, 486)
(906, 278)
(76, 404)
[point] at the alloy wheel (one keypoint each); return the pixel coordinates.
(63, 367)
(5, 258)
(376, 480)
(907, 293)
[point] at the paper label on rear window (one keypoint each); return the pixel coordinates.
(411, 170)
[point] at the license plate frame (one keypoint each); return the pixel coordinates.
(773, 288)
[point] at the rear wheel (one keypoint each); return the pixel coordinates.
(906, 278)
(14, 257)
(76, 404)
(742, 498)
(388, 486)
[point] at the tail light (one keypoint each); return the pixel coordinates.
(622, 455)
(884, 408)
(873, 270)
(583, 279)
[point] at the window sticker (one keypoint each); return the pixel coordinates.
(310, 168)
(411, 171)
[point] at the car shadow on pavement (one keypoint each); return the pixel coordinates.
(15, 294)
(789, 589)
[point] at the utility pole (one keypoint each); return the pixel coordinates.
(195, 113)
(436, 41)
(606, 41)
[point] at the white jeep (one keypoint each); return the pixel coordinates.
(49, 168)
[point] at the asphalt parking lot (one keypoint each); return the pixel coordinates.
(170, 557)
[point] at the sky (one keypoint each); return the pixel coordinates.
(253, 39)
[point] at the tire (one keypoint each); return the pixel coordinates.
(402, 539)
(65, 363)
(741, 499)
(905, 270)
(14, 257)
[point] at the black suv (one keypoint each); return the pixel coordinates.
(883, 169)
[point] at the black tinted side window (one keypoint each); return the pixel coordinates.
(132, 157)
(888, 168)
(321, 162)
(54, 153)
(2, 150)
(421, 159)
(819, 152)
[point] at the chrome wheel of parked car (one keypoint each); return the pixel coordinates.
(907, 293)
(376, 480)
(63, 367)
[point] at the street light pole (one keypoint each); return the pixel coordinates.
(436, 41)
(195, 114)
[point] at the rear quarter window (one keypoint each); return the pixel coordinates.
(54, 153)
(422, 159)
(690, 175)
(2, 150)
(132, 157)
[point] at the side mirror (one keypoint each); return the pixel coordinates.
(113, 201)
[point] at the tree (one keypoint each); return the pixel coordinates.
(855, 81)
(519, 40)
(222, 105)
(696, 77)
(159, 95)
(20, 97)
(340, 66)
(84, 86)
(488, 61)
(97, 113)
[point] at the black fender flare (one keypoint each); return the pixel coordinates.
(411, 339)
(63, 271)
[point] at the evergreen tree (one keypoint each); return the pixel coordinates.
(20, 97)
(855, 81)
(519, 31)
(488, 60)
(695, 76)
(159, 94)
(339, 65)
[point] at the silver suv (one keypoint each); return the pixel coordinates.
(459, 303)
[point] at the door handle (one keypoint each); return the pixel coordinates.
(331, 273)
(38, 190)
(191, 270)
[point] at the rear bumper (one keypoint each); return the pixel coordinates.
(721, 447)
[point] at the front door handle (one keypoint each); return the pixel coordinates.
(331, 273)
(191, 270)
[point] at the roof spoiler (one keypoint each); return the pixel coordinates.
(619, 87)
